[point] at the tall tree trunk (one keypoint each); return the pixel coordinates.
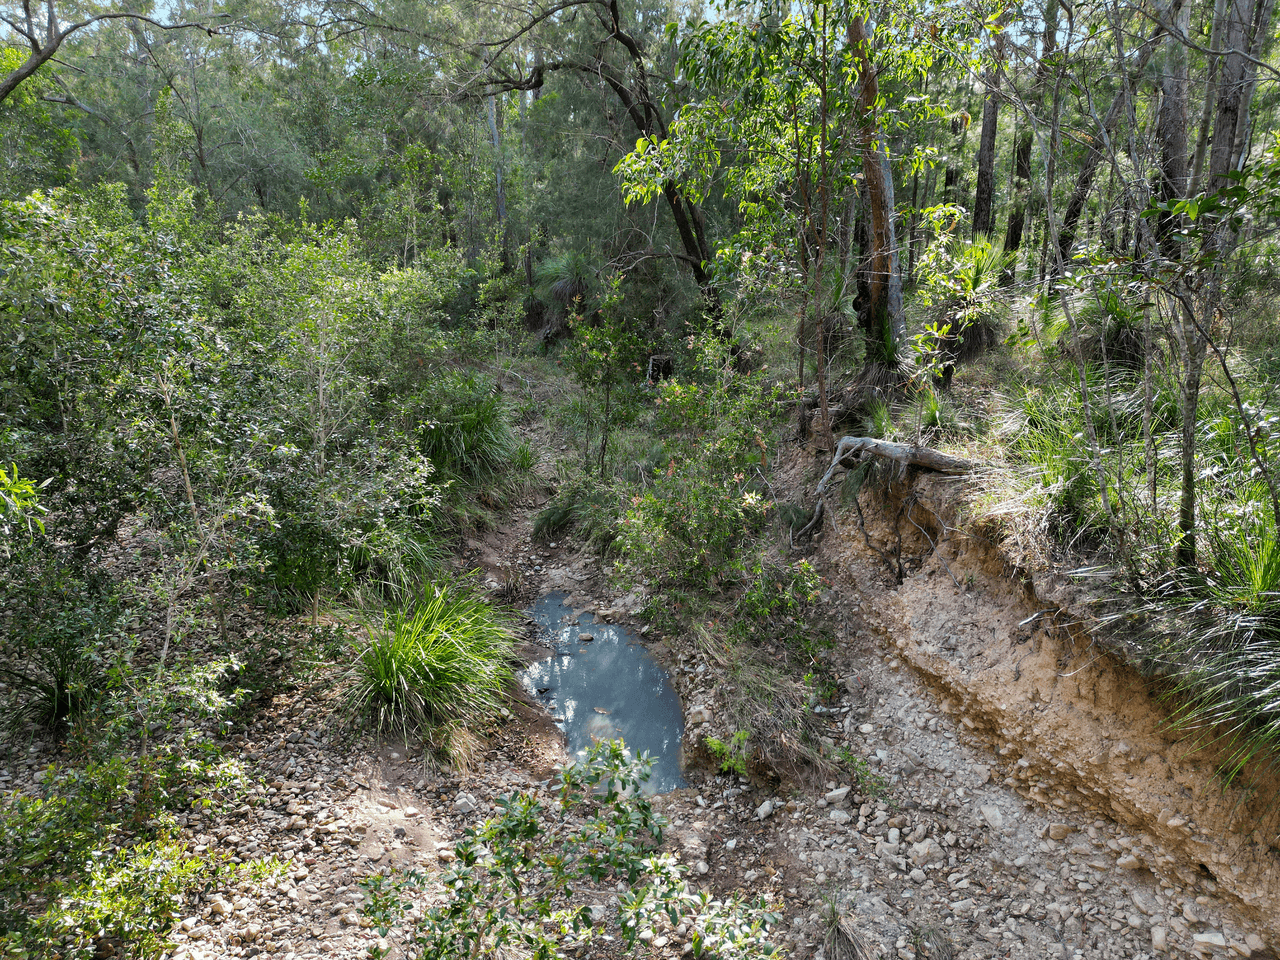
(953, 183)
(500, 193)
(1247, 23)
(1210, 95)
(886, 275)
(983, 209)
(1089, 166)
(1257, 43)
(1171, 132)
(1018, 211)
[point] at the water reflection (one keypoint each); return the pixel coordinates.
(606, 687)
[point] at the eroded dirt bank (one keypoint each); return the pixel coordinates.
(1072, 731)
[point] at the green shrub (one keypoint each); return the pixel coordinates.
(869, 782)
(302, 557)
(512, 888)
(62, 626)
(72, 881)
(961, 280)
(778, 589)
(442, 661)
(48, 838)
(730, 757)
(128, 902)
(686, 528)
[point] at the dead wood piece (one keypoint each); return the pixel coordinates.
(851, 449)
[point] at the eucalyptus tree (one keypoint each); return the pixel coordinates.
(620, 52)
(36, 144)
(42, 29)
(1246, 31)
(1120, 85)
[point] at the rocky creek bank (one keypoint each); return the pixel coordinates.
(1025, 800)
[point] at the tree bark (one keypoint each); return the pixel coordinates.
(1210, 95)
(885, 281)
(983, 208)
(1089, 166)
(500, 192)
(1260, 34)
(1018, 211)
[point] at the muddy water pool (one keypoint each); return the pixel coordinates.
(601, 683)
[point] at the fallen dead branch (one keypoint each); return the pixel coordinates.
(851, 450)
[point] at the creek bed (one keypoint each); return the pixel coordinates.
(601, 683)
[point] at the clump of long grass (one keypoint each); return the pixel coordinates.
(464, 429)
(439, 663)
(1212, 635)
(589, 510)
(1049, 440)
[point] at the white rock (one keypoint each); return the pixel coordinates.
(1159, 939)
(1210, 938)
(837, 795)
(839, 816)
(993, 815)
(464, 803)
(926, 852)
(764, 811)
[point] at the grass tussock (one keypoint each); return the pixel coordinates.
(464, 428)
(442, 662)
(1211, 636)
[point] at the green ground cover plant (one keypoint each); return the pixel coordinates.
(516, 875)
